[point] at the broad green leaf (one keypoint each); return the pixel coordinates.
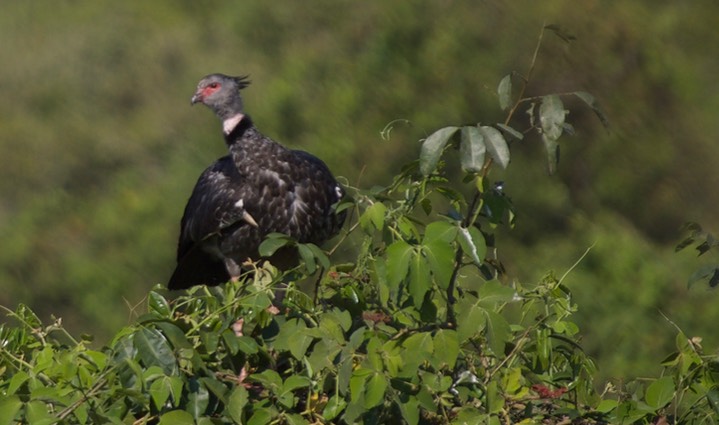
(592, 103)
(295, 381)
(177, 417)
(551, 116)
(660, 392)
(420, 280)
(443, 231)
(19, 378)
(154, 350)
(319, 254)
(418, 347)
(498, 332)
(504, 90)
(448, 342)
(262, 416)
(158, 304)
(440, 256)
(470, 318)
(493, 292)
(496, 145)
(398, 257)
(269, 379)
(237, 402)
(473, 245)
(373, 218)
(295, 419)
(9, 407)
(471, 150)
(160, 391)
(197, 400)
(432, 149)
(36, 412)
(334, 407)
(410, 410)
(376, 387)
(272, 243)
(308, 258)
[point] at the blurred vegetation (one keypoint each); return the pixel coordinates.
(99, 147)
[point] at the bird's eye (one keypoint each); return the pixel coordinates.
(214, 85)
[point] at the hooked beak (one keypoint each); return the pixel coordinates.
(196, 98)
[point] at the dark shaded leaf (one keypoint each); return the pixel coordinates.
(511, 131)
(561, 33)
(432, 149)
(592, 103)
(708, 272)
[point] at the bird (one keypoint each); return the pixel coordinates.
(260, 187)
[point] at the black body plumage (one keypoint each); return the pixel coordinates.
(259, 188)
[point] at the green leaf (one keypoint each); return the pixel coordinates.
(269, 379)
(440, 256)
(448, 341)
(334, 407)
(420, 280)
(432, 149)
(472, 150)
(373, 218)
(160, 391)
(177, 417)
(273, 242)
(496, 145)
(660, 392)
(374, 393)
(498, 332)
(442, 231)
(504, 90)
(592, 103)
(158, 304)
(319, 254)
(551, 116)
(197, 400)
(511, 131)
(154, 350)
(473, 245)
(398, 257)
(708, 272)
(410, 410)
(471, 318)
(237, 402)
(9, 407)
(308, 258)
(262, 416)
(19, 378)
(493, 292)
(36, 412)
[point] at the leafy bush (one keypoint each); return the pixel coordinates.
(421, 328)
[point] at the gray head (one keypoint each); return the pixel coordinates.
(221, 93)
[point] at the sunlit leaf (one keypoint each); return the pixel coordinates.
(158, 304)
(9, 407)
(373, 217)
(410, 410)
(177, 417)
(272, 243)
(504, 91)
(552, 148)
(496, 145)
(334, 407)
(442, 231)
(471, 150)
(432, 149)
(154, 350)
(498, 332)
(308, 258)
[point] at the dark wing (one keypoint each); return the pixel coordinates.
(212, 207)
(312, 218)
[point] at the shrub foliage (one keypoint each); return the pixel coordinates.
(421, 327)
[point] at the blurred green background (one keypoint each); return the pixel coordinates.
(99, 148)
